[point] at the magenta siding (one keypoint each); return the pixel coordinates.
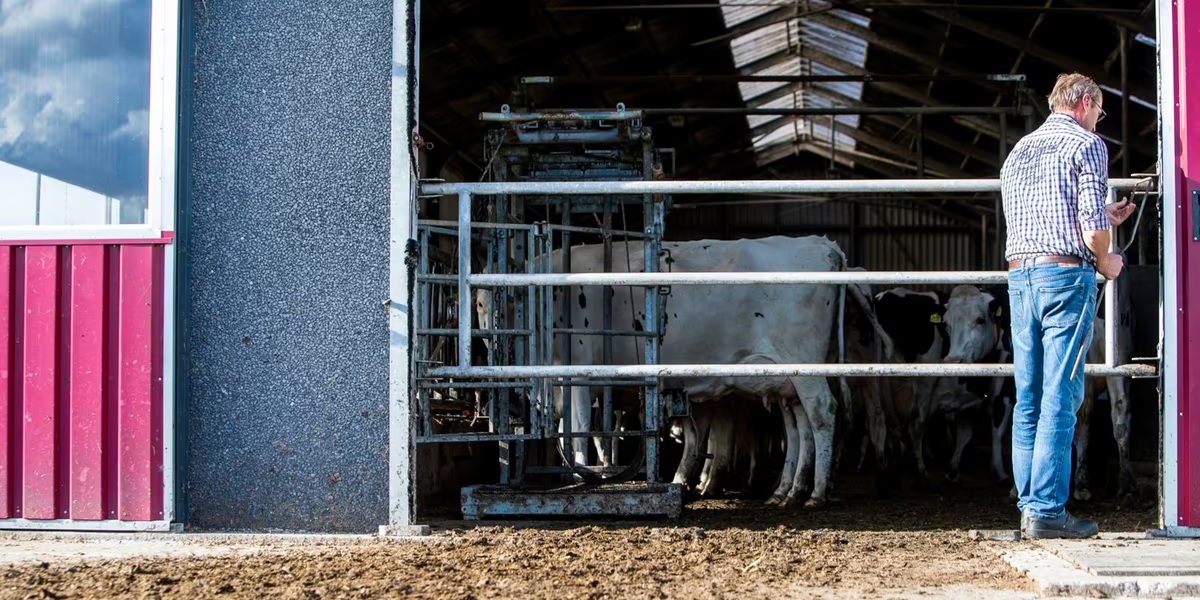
(39, 357)
(86, 484)
(7, 401)
(81, 428)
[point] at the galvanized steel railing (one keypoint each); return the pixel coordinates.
(467, 280)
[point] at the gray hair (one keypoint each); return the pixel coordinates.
(1070, 89)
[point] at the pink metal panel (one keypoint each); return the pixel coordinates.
(81, 391)
(7, 399)
(1187, 52)
(137, 429)
(87, 387)
(40, 362)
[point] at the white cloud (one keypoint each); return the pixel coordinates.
(137, 124)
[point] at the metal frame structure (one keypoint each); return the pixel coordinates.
(543, 146)
(467, 280)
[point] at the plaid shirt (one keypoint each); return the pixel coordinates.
(1055, 185)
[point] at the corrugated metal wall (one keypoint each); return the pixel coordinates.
(81, 382)
(887, 235)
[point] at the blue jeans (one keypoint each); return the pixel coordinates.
(1052, 310)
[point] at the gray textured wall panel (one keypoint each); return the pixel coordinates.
(288, 373)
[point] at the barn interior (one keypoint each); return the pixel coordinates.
(812, 90)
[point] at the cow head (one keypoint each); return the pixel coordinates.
(914, 321)
(975, 323)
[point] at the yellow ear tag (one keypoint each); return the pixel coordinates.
(999, 310)
(935, 318)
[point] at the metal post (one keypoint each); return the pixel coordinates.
(464, 285)
(403, 216)
(501, 397)
(1000, 241)
(652, 216)
(424, 422)
(1110, 302)
(568, 402)
(37, 202)
(607, 324)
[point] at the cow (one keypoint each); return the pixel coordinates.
(914, 322)
(868, 400)
(728, 324)
(724, 427)
(977, 323)
(1118, 396)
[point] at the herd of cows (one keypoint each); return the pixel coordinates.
(887, 417)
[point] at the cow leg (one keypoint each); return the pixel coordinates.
(962, 436)
(791, 454)
(720, 449)
(876, 428)
(820, 407)
(1082, 433)
(1118, 397)
(1002, 407)
(706, 469)
(801, 485)
(691, 453)
(863, 445)
(922, 408)
(581, 420)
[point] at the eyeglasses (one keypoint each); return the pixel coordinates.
(1102, 115)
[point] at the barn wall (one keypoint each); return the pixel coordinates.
(288, 335)
(890, 235)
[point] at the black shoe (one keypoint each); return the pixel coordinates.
(1064, 527)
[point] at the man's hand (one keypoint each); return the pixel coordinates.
(1119, 211)
(1112, 265)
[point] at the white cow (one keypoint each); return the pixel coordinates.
(977, 325)
(1118, 396)
(870, 399)
(728, 324)
(915, 323)
(970, 338)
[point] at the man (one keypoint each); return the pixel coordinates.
(1054, 185)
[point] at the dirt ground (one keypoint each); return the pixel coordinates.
(915, 545)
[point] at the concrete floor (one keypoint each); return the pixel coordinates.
(1114, 565)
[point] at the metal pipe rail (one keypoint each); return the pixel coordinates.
(739, 278)
(749, 186)
(776, 370)
(466, 279)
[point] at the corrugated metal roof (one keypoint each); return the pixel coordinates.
(790, 33)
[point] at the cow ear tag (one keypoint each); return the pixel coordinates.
(999, 310)
(935, 318)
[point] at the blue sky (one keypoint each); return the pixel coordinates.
(74, 91)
